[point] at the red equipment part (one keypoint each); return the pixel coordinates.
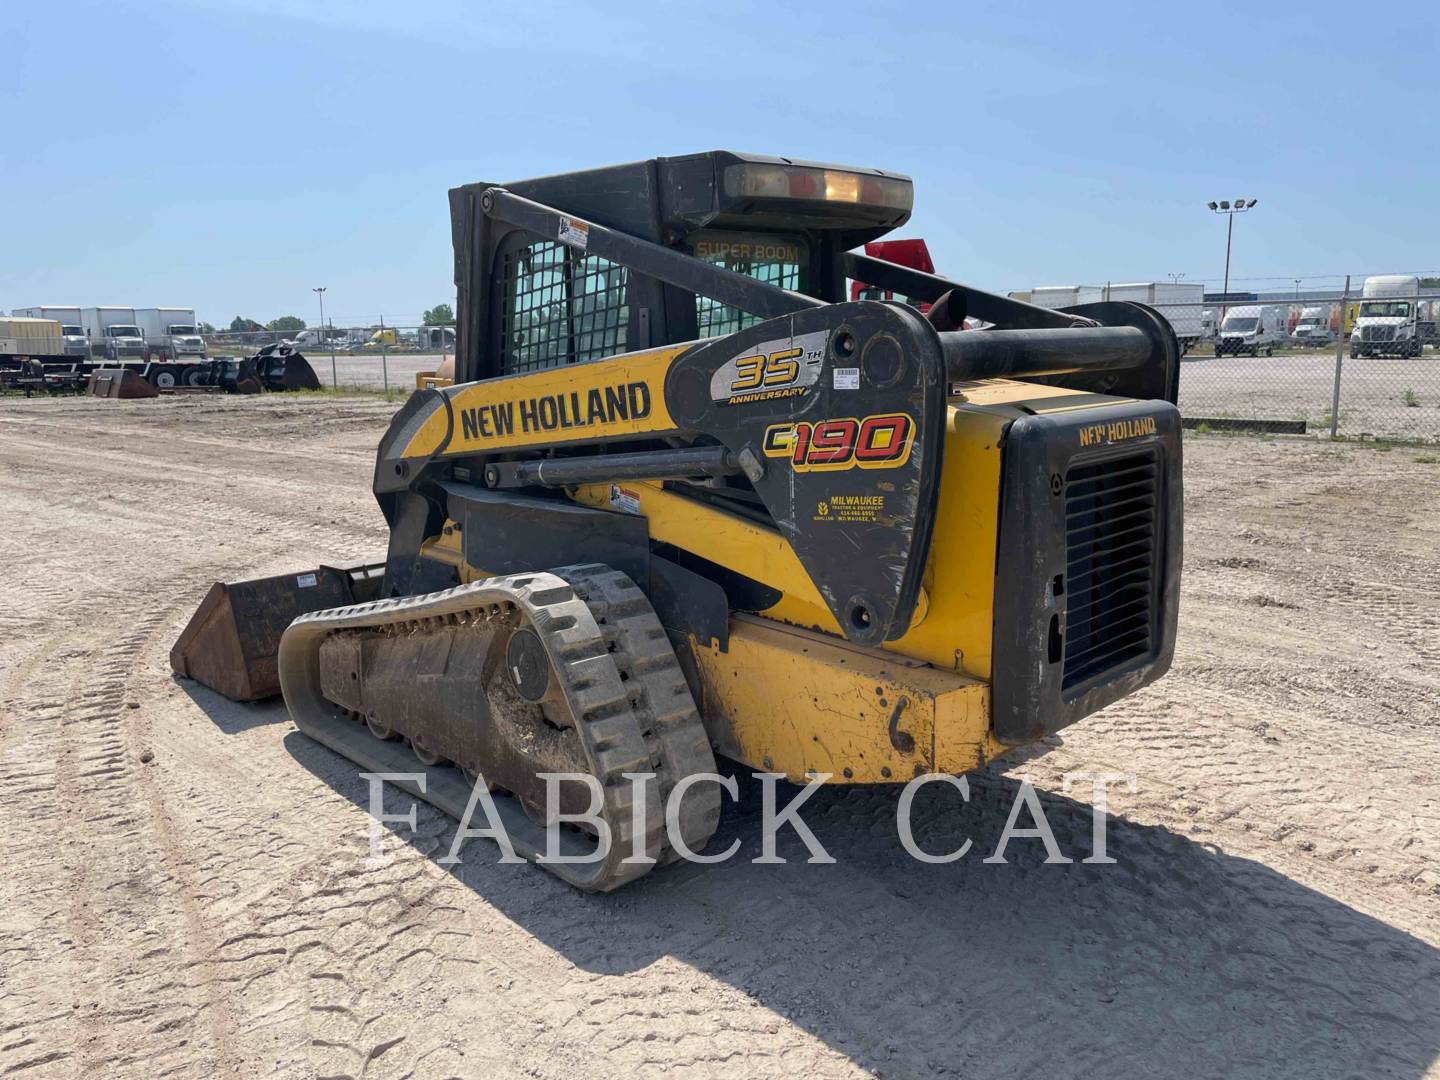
(911, 253)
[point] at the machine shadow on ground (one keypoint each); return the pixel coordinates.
(1177, 959)
(232, 717)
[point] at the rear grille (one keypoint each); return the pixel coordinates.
(1111, 542)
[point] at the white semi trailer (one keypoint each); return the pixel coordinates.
(1182, 304)
(1064, 296)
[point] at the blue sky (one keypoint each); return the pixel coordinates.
(230, 155)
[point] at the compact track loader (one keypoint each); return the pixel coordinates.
(683, 499)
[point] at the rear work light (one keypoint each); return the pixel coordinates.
(764, 181)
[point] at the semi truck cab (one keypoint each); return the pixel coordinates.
(1389, 320)
(1313, 327)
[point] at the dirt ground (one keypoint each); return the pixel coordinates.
(185, 891)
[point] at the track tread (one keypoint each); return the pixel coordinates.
(631, 707)
(673, 731)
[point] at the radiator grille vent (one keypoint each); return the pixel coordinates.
(1111, 525)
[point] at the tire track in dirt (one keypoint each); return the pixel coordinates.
(78, 769)
(1374, 808)
(108, 885)
(222, 824)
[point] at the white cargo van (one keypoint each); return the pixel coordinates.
(1252, 329)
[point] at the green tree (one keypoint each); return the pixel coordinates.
(286, 324)
(440, 315)
(242, 325)
(1430, 283)
(206, 328)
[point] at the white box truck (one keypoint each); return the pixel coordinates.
(1389, 320)
(172, 334)
(76, 344)
(114, 334)
(1182, 304)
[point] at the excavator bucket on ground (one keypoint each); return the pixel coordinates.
(231, 642)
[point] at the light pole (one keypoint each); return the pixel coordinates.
(1175, 278)
(334, 378)
(1224, 207)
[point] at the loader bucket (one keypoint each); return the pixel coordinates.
(120, 383)
(240, 377)
(292, 372)
(281, 367)
(232, 640)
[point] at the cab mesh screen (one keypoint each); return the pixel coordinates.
(561, 306)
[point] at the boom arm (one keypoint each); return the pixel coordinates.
(1000, 310)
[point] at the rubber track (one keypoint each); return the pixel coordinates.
(607, 721)
(670, 723)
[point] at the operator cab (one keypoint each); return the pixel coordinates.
(552, 302)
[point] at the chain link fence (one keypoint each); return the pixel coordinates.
(1318, 361)
(363, 357)
(1328, 361)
